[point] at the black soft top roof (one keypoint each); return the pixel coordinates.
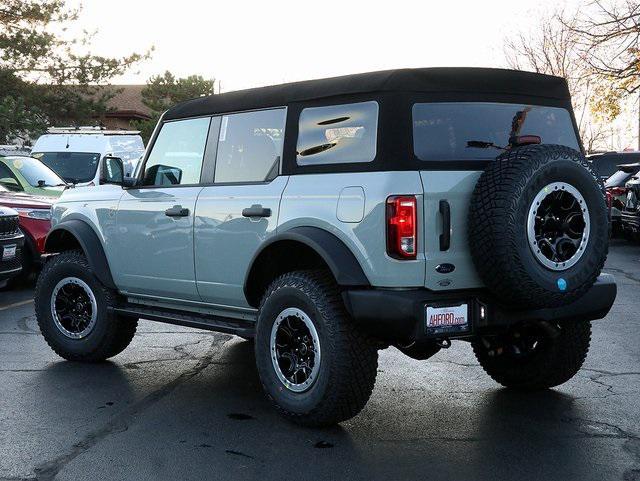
(432, 80)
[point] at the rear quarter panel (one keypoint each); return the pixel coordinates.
(315, 200)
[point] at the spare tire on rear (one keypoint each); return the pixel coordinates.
(538, 226)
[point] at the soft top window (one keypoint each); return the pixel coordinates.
(480, 131)
(338, 134)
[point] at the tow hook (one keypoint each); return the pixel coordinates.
(444, 343)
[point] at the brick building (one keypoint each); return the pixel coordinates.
(124, 107)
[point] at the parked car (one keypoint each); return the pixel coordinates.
(29, 175)
(76, 154)
(617, 193)
(630, 215)
(11, 241)
(35, 222)
(332, 218)
(606, 164)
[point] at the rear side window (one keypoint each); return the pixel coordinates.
(338, 134)
(177, 153)
(480, 131)
(250, 146)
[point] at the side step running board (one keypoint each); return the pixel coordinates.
(189, 319)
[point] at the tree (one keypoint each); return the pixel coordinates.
(610, 40)
(555, 48)
(47, 77)
(609, 36)
(164, 91)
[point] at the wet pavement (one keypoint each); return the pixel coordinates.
(182, 404)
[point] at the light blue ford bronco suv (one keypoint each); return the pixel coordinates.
(329, 219)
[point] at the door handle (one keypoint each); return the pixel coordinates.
(256, 211)
(445, 237)
(176, 211)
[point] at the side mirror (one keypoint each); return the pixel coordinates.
(112, 171)
(162, 175)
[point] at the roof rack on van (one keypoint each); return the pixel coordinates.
(90, 130)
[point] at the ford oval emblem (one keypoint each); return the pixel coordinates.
(445, 268)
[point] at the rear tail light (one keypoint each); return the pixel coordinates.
(402, 238)
(616, 191)
(609, 199)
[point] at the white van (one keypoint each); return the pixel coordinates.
(75, 154)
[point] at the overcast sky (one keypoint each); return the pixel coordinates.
(246, 44)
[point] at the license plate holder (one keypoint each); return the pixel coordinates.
(9, 252)
(446, 320)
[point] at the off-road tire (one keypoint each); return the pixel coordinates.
(111, 333)
(558, 360)
(349, 360)
(497, 222)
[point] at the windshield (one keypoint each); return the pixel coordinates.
(75, 167)
(34, 172)
(481, 131)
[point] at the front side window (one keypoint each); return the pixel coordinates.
(338, 134)
(250, 146)
(8, 179)
(73, 167)
(177, 153)
(481, 131)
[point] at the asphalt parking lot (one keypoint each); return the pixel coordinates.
(184, 404)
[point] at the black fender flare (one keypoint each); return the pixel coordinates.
(341, 262)
(90, 244)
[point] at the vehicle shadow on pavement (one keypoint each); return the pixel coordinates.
(135, 418)
(541, 433)
(206, 417)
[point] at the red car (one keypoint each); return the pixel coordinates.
(35, 222)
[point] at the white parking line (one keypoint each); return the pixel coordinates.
(15, 304)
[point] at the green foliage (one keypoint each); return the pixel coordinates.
(46, 77)
(164, 91)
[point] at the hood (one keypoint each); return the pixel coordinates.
(14, 199)
(5, 212)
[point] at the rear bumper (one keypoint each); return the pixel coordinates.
(399, 315)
